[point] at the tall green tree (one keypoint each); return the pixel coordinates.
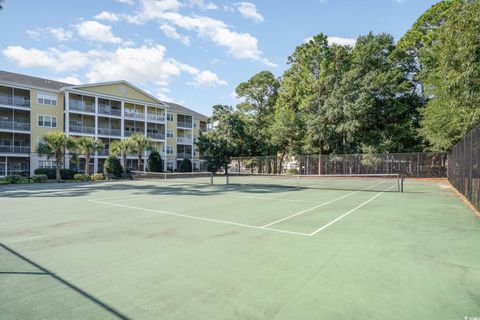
(138, 145)
(87, 147)
(260, 94)
(54, 146)
(454, 82)
(122, 148)
(154, 163)
(228, 138)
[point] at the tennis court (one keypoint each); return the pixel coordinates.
(257, 247)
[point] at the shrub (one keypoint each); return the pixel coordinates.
(97, 177)
(81, 177)
(185, 166)
(66, 174)
(154, 163)
(113, 166)
(40, 178)
(292, 171)
(14, 178)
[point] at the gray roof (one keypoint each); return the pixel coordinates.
(183, 110)
(29, 81)
(21, 79)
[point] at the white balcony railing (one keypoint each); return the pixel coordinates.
(105, 109)
(17, 101)
(15, 125)
(109, 132)
(184, 124)
(184, 155)
(155, 117)
(156, 136)
(184, 140)
(134, 114)
(82, 129)
(79, 105)
(14, 149)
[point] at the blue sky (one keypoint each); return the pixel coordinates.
(193, 52)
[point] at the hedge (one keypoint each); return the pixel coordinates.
(66, 174)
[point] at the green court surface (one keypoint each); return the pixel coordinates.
(167, 250)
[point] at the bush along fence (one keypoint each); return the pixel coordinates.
(418, 165)
(464, 167)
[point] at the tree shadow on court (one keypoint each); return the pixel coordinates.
(23, 262)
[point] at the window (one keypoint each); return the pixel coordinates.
(169, 149)
(169, 165)
(47, 164)
(169, 133)
(47, 121)
(47, 99)
(169, 116)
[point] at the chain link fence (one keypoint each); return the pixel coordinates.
(419, 165)
(464, 167)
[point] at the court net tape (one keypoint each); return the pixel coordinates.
(176, 177)
(361, 182)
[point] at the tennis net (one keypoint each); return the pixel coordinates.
(356, 182)
(176, 177)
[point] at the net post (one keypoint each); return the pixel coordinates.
(227, 178)
(401, 182)
(211, 178)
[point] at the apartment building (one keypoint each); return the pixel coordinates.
(31, 107)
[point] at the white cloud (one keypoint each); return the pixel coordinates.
(239, 45)
(107, 16)
(337, 40)
(172, 33)
(249, 10)
(52, 59)
(60, 34)
(208, 79)
(129, 2)
(34, 34)
(342, 41)
(203, 5)
(96, 31)
(70, 79)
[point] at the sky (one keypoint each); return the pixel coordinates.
(193, 52)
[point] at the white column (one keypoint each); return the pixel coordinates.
(95, 163)
(96, 117)
(122, 121)
(6, 166)
(66, 125)
(145, 133)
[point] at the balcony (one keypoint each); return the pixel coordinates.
(108, 110)
(156, 136)
(16, 101)
(79, 105)
(131, 133)
(14, 149)
(14, 125)
(184, 155)
(184, 124)
(184, 140)
(104, 152)
(81, 129)
(155, 117)
(134, 114)
(109, 132)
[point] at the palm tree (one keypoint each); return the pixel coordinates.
(53, 146)
(87, 146)
(1, 4)
(139, 144)
(121, 148)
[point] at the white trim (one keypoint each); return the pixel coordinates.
(29, 88)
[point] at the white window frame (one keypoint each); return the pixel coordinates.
(47, 99)
(47, 164)
(169, 133)
(169, 116)
(51, 119)
(170, 165)
(170, 150)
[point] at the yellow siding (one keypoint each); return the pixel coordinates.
(120, 90)
(39, 109)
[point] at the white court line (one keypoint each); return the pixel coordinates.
(318, 206)
(198, 218)
(349, 212)
(267, 198)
